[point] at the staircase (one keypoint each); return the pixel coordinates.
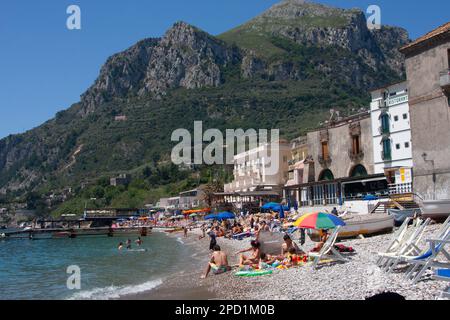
(399, 201)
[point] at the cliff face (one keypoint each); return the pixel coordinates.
(296, 56)
(185, 57)
(318, 26)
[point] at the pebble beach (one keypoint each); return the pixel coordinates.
(357, 279)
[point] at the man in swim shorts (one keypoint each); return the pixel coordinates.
(218, 262)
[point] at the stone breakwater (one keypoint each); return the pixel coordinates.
(354, 280)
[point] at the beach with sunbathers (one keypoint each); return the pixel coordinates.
(241, 270)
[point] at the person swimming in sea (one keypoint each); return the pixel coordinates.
(139, 241)
(120, 247)
(128, 244)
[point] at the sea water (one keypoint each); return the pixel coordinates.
(37, 269)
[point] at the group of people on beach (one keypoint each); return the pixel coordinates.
(254, 256)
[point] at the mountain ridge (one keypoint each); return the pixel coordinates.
(284, 75)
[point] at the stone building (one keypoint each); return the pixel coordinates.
(339, 166)
(427, 69)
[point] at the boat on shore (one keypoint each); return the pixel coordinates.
(362, 225)
(401, 215)
(438, 210)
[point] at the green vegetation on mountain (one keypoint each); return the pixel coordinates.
(283, 70)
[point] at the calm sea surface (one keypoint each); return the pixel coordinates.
(38, 269)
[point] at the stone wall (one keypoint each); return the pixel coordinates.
(430, 122)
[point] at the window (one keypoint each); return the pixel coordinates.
(325, 151)
(386, 153)
(405, 116)
(406, 144)
(385, 125)
(396, 118)
(397, 146)
(356, 145)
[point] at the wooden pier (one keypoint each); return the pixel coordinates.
(61, 233)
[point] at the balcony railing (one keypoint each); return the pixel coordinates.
(445, 78)
(355, 156)
(402, 188)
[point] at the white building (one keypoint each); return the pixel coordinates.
(253, 170)
(391, 127)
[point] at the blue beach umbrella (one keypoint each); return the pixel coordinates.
(211, 216)
(226, 215)
(270, 206)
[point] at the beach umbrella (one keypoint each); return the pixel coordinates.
(226, 215)
(211, 216)
(193, 215)
(270, 206)
(319, 220)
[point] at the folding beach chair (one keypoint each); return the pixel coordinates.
(409, 248)
(328, 250)
(397, 242)
(443, 275)
(429, 259)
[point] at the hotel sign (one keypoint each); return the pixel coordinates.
(398, 100)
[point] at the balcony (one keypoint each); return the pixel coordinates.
(384, 130)
(324, 161)
(355, 156)
(445, 78)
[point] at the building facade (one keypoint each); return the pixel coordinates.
(339, 166)
(253, 169)
(299, 152)
(391, 128)
(427, 68)
(191, 199)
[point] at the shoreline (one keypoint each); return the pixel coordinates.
(357, 279)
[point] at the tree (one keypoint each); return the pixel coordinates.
(209, 191)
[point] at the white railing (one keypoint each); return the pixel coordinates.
(400, 188)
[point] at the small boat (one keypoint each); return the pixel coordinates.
(437, 210)
(401, 215)
(365, 225)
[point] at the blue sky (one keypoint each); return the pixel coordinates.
(44, 67)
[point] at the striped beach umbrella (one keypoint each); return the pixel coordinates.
(318, 220)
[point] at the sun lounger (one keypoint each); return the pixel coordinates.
(328, 250)
(397, 241)
(443, 275)
(430, 258)
(409, 248)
